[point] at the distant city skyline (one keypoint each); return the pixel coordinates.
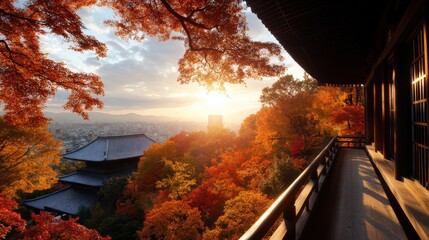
(141, 77)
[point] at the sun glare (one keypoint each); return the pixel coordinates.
(216, 99)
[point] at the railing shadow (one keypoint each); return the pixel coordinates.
(353, 205)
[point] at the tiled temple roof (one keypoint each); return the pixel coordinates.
(93, 180)
(67, 200)
(112, 148)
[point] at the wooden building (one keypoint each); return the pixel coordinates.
(105, 158)
(382, 45)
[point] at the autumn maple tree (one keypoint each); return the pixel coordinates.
(179, 182)
(172, 220)
(352, 114)
(28, 78)
(46, 226)
(27, 155)
(9, 219)
(239, 215)
(287, 86)
(218, 49)
(49, 227)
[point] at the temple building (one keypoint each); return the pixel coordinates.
(214, 121)
(382, 46)
(105, 158)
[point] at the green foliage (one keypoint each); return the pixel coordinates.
(111, 192)
(282, 174)
(84, 214)
(97, 215)
(287, 86)
(119, 227)
(70, 166)
(109, 195)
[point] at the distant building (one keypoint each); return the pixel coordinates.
(105, 157)
(215, 121)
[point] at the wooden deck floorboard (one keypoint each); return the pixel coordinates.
(353, 204)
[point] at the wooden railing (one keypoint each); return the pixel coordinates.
(299, 196)
(351, 141)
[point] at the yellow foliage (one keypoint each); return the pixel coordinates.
(179, 182)
(328, 100)
(27, 155)
(239, 214)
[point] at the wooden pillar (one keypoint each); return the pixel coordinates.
(403, 141)
(369, 113)
(378, 113)
(386, 114)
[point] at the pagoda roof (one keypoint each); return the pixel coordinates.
(108, 148)
(93, 180)
(67, 200)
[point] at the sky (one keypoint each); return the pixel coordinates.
(140, 77)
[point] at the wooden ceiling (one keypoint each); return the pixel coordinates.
(334, 41)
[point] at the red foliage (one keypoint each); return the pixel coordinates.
(8, 218)
(127, 207)
(298, 146)
(299, 163)
(208, 201)
(172, 220)
(49, 227)
(163, 196)
(218, 50)
(354, 116)
(184, 140)
(28, 77)
(227, 168)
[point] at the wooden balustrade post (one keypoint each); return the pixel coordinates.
(334, 150)
(327, 159)
(289, 218)
(324, 163)
(314, 179)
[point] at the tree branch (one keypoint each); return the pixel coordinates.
(10, 53)
(183, 20)
(21, 17)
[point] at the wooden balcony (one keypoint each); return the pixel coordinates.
(339, 196)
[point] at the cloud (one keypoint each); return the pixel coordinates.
(150, 66)
(141, 76)
(149, 101)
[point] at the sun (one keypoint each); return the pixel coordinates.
(216, 99)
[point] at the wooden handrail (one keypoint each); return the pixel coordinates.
(285, 203)
(351, 141)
